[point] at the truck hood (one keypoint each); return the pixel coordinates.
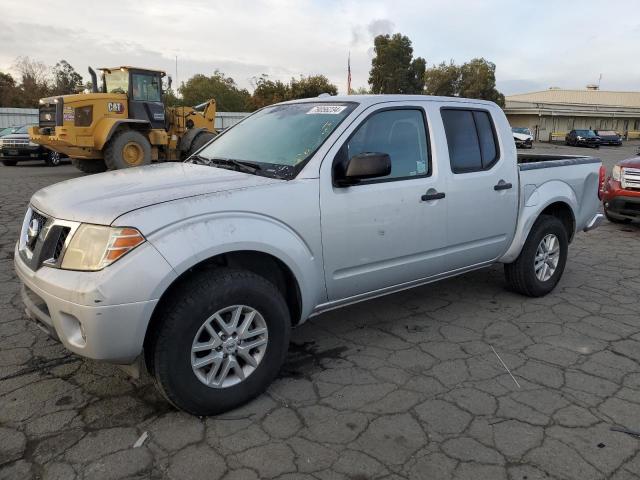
(633, 162)
(102, 198)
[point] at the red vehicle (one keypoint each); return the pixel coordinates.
(620, 192)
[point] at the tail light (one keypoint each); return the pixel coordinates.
(601, 175)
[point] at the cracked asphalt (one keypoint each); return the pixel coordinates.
(403, 387)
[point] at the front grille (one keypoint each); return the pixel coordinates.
(64, 233)
(15, 142)
(48, 245)
(42, 221)
(631, 178)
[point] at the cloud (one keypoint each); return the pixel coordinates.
(285, 38)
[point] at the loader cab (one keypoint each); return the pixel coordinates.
(143, 89)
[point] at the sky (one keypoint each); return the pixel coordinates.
(535, 44)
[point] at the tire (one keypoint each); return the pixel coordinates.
(127, 148)
(9, 163)
(168, 348)
(200, 141)
(89, 166)
(53, 158)
(616, 220)
(521, 274)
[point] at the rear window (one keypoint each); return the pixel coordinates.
(471, 139)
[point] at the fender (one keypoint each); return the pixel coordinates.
(195, 239)
(535, 201)
(107, 127)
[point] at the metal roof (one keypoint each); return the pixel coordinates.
(579, 97)
(128, 67)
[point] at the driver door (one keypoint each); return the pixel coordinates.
(145, 98)
(383, 232)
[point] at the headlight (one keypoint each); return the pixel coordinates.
(579, 137)
(617, 172)
(94, 247)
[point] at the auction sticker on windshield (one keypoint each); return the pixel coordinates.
(326, 109)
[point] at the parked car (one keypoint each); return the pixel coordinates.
(8, 130)
(202, 268)
(582, 138)
(609, 137)
(16, 147)
(621, 192)
(523, 137)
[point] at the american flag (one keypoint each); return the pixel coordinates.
(349, 75)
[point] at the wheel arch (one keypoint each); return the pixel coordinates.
(109, 127)
(560, 201)
(261, 263)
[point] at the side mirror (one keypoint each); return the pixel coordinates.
(363, 166)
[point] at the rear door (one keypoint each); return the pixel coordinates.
(482, 190)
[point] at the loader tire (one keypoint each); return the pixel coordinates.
(89, 166)
(200, 141)
(127, 148)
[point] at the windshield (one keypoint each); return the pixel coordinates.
(526, 131)
(116, 81)
(280, 138)
(585, 133)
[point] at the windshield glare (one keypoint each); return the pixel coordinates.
(521, 130)
(585, 133)
(116, 81)
(283, 137)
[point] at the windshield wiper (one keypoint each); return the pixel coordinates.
(199, 160)
(241, 165)
(238, 165)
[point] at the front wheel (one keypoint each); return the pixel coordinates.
(52, 159)
(538, 268)
(219, 341)
(127, 148)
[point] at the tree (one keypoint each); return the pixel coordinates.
(34, 83)
(8, 90)
(229, 98)
(442, 80)
(361, 91)
(65, 79)
(309, 87)
(478, 80)
(268, 92)
(393, 68)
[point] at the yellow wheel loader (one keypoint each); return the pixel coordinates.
(122, 123)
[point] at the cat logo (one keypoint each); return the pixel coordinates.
(115, 107)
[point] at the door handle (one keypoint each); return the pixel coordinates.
(502, 186)
(432, 196)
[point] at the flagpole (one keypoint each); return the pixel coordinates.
(349, 74)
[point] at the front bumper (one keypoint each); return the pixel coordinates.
(99, 315)
(21, 153)
(623, 207)
(61, 140)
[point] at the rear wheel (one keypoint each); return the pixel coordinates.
(219, 341)
(89, 165)
(200, 141)
(127, 148)
(52, 159)
(9, 163)
(538, 268)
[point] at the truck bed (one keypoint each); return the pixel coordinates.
(529, 161)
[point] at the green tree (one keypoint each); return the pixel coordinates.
(65, 79)
(268, 92)
(229, 98)
(442, 79)
(361, 91)
(8, 90)
(309, 87)
(478, 80)
(393, 68)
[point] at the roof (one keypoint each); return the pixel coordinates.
(579, 97)
(129, 67)
(368, 100)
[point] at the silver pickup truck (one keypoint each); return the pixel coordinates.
(198, 270)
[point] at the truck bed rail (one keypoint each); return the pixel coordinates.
(536, 161)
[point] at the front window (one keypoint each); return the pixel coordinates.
(146, 88)
(585, 133)
(116, 81)
(279, 139)
(523, 130)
